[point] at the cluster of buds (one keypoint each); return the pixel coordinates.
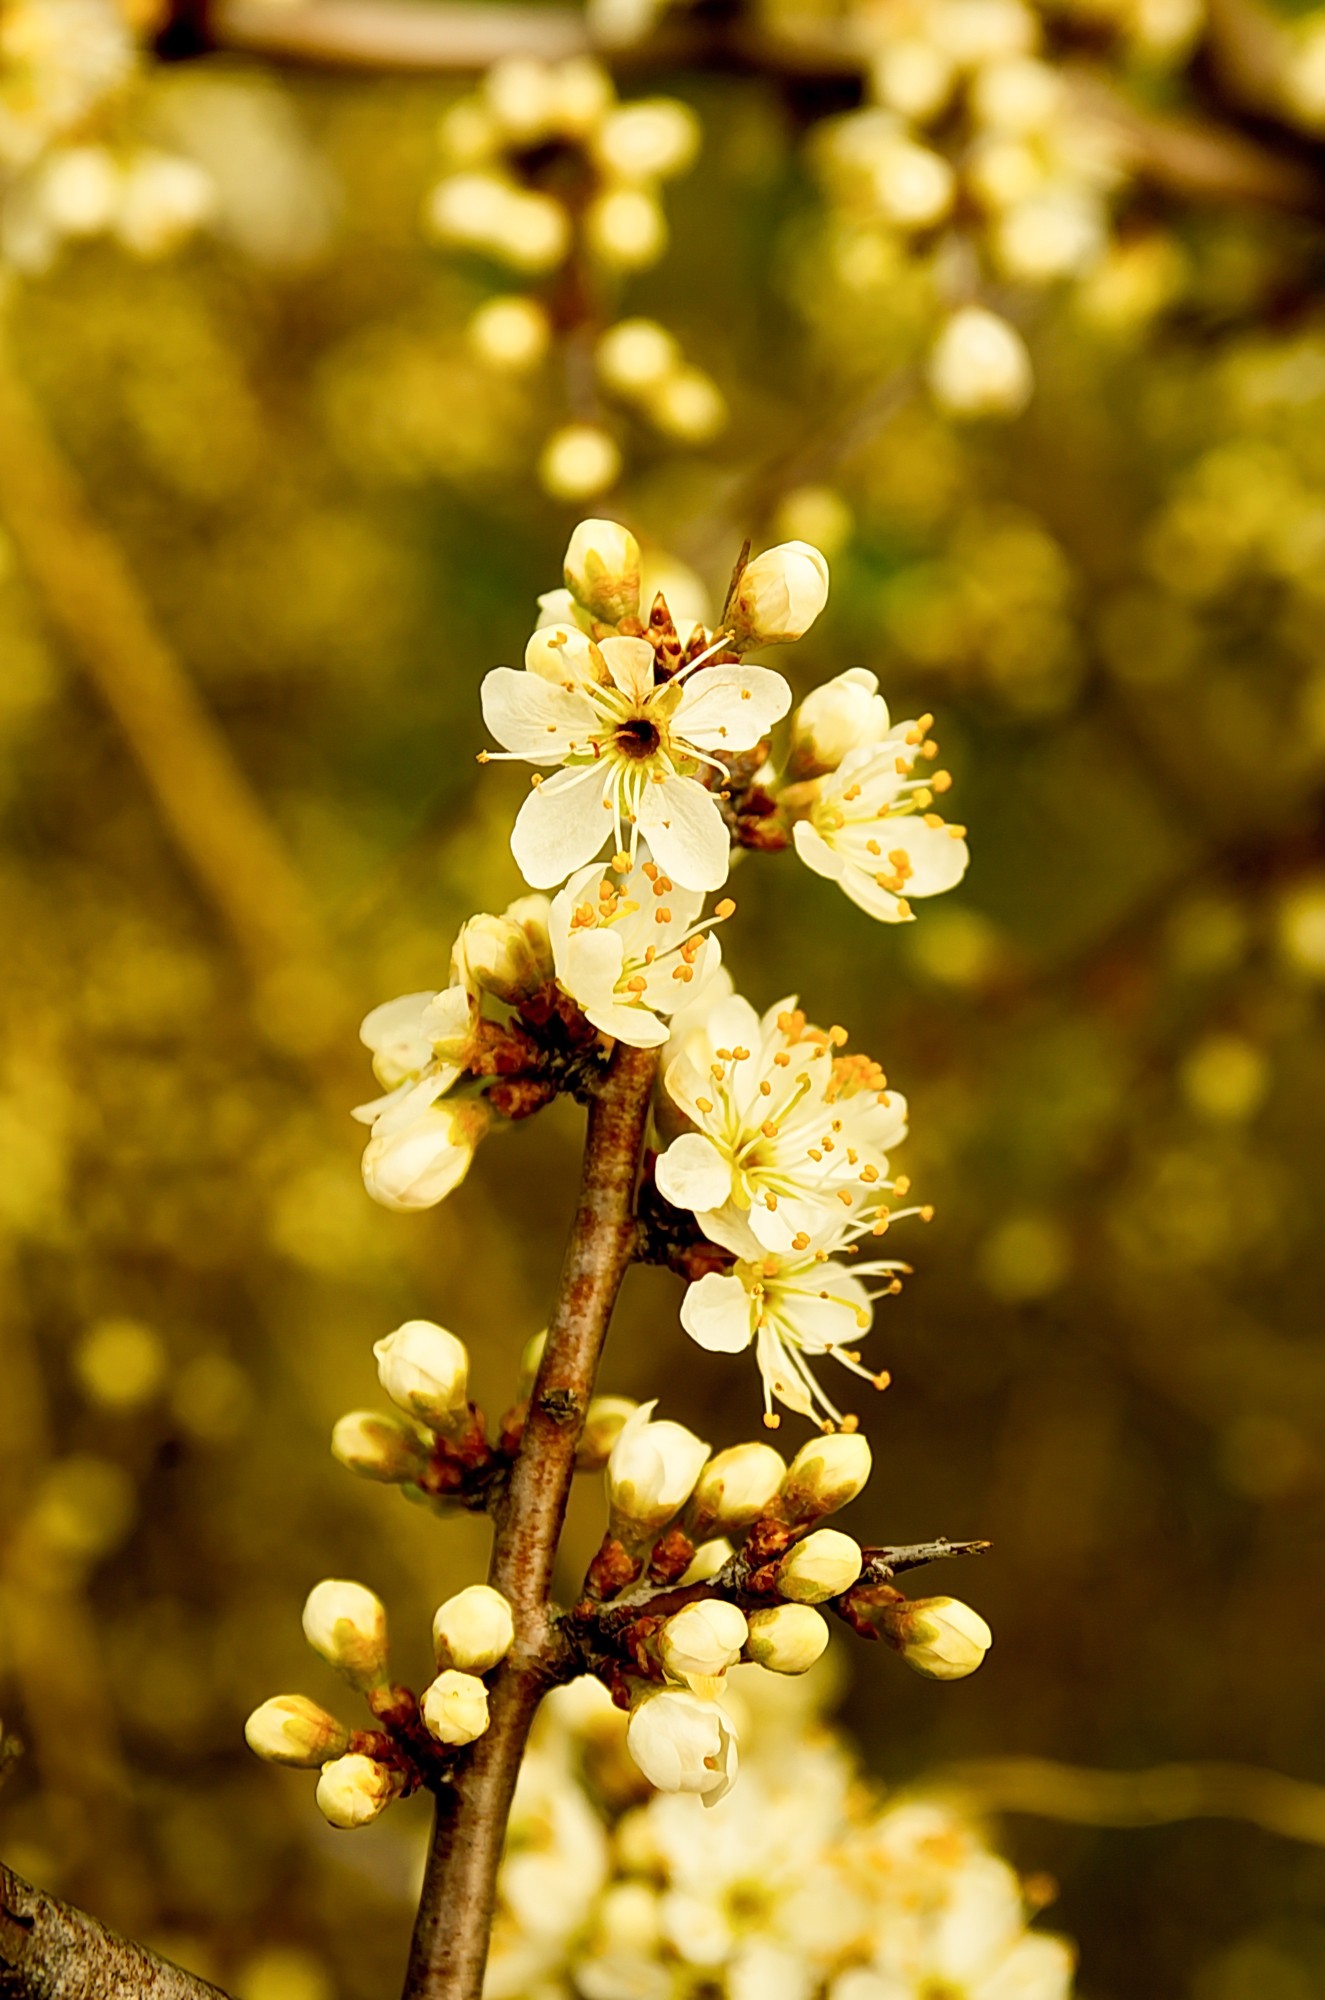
(415, 1740)
(714, 1559)
(548, 175)
(433, 1445)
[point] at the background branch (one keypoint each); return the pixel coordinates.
(50, 1951)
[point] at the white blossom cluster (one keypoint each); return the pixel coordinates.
(68, 172)
(806, 1885)
(552, 178)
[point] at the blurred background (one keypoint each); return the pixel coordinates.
(1015, 310)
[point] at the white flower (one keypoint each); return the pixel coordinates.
(628, 746)
(425, 1370)
(291, 1729)
(455, 1708)
(843, 714)
(791, 1135)
(700, 1641)
(346, 1624)
(826, 1474)
(822, 1566)
(473, 1630)
(780, 594)
(602, 570)
(735, 1488)
(651, 1473)
(786, 1638)
(628, 955)
(683, 1744)
(979, 366)
(870, 826)
(355, 1790)
(790, 1307)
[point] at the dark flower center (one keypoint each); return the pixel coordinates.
(638, 737)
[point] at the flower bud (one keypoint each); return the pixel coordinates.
(602, 1427)
(844, 714)
(683, 1744)
(602, 570)
(413, 1166)
(735, 1488)
(501, 955)
(787, 1638)
(780, 595)
(578, 462)
(708, 1559)
(377, 1444)
(651, 1473)
(939, 1636)
(347, 1625)
(425, 1370)
(291, 1729)
(979, 366)
(455, 1707)
(473, 1630)
(702, 1640)
(355, 1790)
(827, 1473)
(822, 1566)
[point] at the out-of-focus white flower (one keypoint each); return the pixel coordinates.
(940, 1637)
(822, 1566)
(826, 1474)
(473, 1630)
(355, 1790)
(791, 1135)
(455, 1708)
(735, 1488)
(626, 744)
(779, 596)
(683, 1744)
(786, 1638)
(163, 199)
(634, 356)
(378, 1444)
(291, 1729)
(651, 139)
(701, 1640)
(346, 1624)
(651, 1474)
(602, 570)
(487, 212)
(425, 1370)
(870, 827)
(979, 366)
(844, 714)
(578, 462)
(625, 228)
(627, 954)
(512, 334)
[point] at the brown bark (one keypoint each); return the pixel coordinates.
(49, 1951)
(455, 1914)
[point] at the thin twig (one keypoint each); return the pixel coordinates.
(455, 1914)
(51, 1951)
(1158, 1797)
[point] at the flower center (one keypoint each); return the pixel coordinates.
(638, 737)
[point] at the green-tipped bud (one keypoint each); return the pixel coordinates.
(356, 1790)
(602, 1427)
(291, 1729)
(701, 1641)
(473, 1630)
(735, 1488)
(455, 1708)
(651, 1473)
(827, 1473)
(822, 1566)
(425, 1371)
(708, 1559)
(602, 570)
(505, 956)
(787, 1638)
(347, 1625)
(377, 1444)
(939, 1637)
(779, 596)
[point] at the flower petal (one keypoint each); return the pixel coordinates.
(630, 663)
(693, 1174)
(815, 852)
(729, 708)
(685, 831)
(560, 826)
(533, 717)
(716, 1314)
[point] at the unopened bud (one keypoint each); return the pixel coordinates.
(602, 570)
(701, 1641)
(291, 1729)
(846, 713)
(414, 1166)
(822, 1566)
(473, 1630)
(707, 1560)
(355, 1790)
(425, 1370)
(346, 1624)
(602, 1427)
(787, 1638)
(780, 595)
(735, 1488)
(683, 1744)
(455, 1708)
(501, 955)
(377, 1444)
(939, 1636)
(651, 1473)
(979, 366)
(825, 1474)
